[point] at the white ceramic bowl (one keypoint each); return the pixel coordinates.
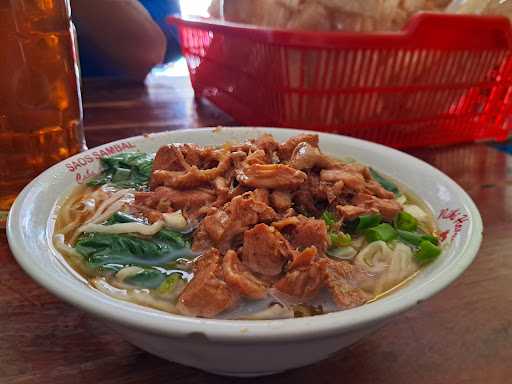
(241, 348)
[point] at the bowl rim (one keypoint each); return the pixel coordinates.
(234, 331)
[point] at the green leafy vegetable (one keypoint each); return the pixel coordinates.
(125, 170)
(148, 278)
(427, 252)
(121, 175)
(340, 239)
(384, 232)
(406, 222)
(165, 234)
(106, 252)
(123, 217)
(415, 238)
(171, 236)
(388, 185)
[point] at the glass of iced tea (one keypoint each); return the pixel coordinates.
(40, 106)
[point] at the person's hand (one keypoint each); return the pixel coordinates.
(126, 38)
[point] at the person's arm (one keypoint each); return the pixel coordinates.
(123, 34)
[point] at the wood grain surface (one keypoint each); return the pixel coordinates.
(462, 335)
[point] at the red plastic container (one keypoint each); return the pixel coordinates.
(444, 79)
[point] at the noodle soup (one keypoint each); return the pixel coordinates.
(255, 230)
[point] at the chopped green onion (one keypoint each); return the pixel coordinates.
(368, 221)
(427, 252)
(340, 239)
(434, 240)
(413, 238)
(416, 238)
(169, 284)
(329, 218)
(384, 232)
(406, 222)
(342, 253)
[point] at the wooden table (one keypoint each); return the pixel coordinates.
(462, 335)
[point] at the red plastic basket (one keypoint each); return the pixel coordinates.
(443, 79)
